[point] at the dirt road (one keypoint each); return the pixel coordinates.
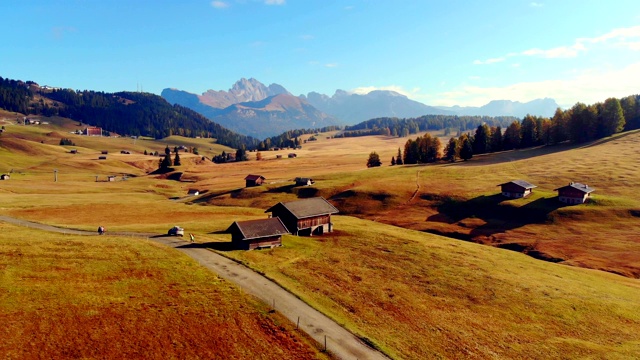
(339, 341)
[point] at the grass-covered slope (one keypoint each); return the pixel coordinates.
(65, 296)
(421, 296)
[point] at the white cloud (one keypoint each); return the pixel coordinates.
(274, 2)
(489, 61)
(627, 38)
(331, 65)
(588, 86)
(536, 4)
(350, 7)
(306, 37)
(219, 4)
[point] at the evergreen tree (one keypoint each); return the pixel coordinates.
(167, 151)
(451, 150)
(511, 139)
(241, 154)
(631, 112)
(374, 160)
(176, 160)
(496, 139)
(612, 118)
(393, 160)
(165, 163)
(482, 139)
(399, 157)
(528, 132)
(466, 150)
(559, 126)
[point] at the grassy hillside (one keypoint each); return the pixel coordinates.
(65, 296)
(421, 296)
(409, 292)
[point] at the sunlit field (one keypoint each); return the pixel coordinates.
(383, 274)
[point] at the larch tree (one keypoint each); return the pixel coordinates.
(613, 120)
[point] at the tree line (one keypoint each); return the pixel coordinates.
(580, 123)
(405, 127)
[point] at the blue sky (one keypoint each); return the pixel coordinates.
(437, 52)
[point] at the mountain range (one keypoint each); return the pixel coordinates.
(252, 108)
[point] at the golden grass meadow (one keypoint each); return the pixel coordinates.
(385, 273)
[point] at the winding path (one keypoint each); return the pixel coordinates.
(339, 341)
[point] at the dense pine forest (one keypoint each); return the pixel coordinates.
(125, 113)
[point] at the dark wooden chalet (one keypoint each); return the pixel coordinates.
(305, 217)
(254, 180)
(257, 234)
(574, 193)
(516, 189)
(303, 181)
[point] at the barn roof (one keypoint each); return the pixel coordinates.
(254, 229)
(578, 186)
(521, 183)
(307, 207)
(254, 177)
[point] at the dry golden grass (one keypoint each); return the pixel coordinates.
(413, 294)
(421, 296)
(108, 297)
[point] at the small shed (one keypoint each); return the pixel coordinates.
(517, 189)
(292, 155)
(104, 152)
(102, 158)
(5, 177)
(257, 234)
(574, 193)
(254, 180)
(111, 178)
(193, 192)
(303, 181)
(73, 151)
(305, 217)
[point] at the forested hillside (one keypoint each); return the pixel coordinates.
(125, 113)
(405, 127)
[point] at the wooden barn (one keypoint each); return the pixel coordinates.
(305, 217)
(92, 131)
(254, 180)
(516, 189)
(302, 181)
(574, 193)
(257, 234)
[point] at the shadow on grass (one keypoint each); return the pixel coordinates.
(496, 212)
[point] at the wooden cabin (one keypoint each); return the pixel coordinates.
(257, 234)
(516, 189)
(574, 193)
(302, 181)
(102, 157)
(92, 131)
(111, 178)
(254, 180)
(305, 217)
(193, 192)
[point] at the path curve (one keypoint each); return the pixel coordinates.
(340, 342)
